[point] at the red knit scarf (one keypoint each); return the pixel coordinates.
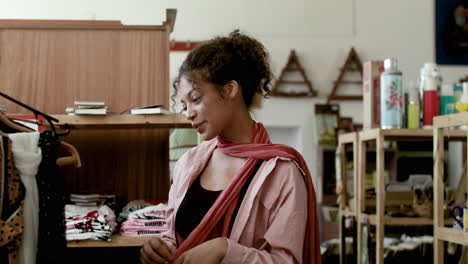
(216, 222)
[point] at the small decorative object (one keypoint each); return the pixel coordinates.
(326, 119)
(422, 186)
(422, 202)
(458, 214)
(293, 65)
(352, 64)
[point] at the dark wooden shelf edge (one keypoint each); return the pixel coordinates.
(345, 97)
(282, 94)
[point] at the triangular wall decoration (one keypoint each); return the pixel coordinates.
(352, 63)
(293, 65)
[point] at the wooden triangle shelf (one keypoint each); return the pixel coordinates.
(352, 64)
(293, 65)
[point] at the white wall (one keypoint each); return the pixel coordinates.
(321, 31)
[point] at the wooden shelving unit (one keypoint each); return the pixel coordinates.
(344, 209)
(442, 233)
(380, 219)
(117, 241)
(83, 122)
(123, 121)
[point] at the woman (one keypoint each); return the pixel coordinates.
(236, 198)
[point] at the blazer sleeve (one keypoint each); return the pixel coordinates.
(284, 237)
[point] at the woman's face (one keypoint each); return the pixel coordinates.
(208, 112)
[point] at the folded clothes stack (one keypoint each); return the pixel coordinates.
(147, 221)
(89, 222)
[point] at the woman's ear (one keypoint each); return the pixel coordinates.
(231, 89)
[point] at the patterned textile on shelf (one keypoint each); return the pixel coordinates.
(89, 222)
(12, 196)
(147, 221)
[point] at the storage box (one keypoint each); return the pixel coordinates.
(371, 93)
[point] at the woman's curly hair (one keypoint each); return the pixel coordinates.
(235, 57)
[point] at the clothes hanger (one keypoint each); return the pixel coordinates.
(36, 112)
(16, 126)
(74, 159)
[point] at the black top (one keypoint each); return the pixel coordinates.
(196, 203)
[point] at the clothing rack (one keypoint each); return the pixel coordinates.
(35, 111)
(74, 159)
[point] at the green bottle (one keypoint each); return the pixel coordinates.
(412, 108)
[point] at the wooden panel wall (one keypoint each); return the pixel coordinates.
(50, 66)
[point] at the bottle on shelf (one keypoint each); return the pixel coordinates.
(446, 100)
(457, 91)
(413, 108)
(391, 95)
(462, 104)
(430, 86)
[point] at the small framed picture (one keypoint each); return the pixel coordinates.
(451, 32)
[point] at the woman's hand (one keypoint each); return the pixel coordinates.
(210, 252)
(155, 251)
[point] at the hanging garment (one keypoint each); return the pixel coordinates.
(52, 244)
(12, 198)
(27, 156)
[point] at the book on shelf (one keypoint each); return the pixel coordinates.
(150, 110)
(92, 111)
(87, 108)
(86, 111)
(90, 103)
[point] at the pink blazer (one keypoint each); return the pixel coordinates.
(271, 221)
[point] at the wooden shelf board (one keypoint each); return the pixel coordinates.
(409, 134)
(347, 138)
(400, 221)
(347, 212)
(294, 69)
(451, 235)
(450, 120)
(345, 97)
(349, 82)
(123, 121)
(117, 241)
(293, 94)
(292, 82)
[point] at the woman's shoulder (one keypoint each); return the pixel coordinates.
(284, 166)
(194, 156)
(285, 177)
(284, 171)
(196, 151)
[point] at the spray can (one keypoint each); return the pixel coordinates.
(391, 95)
(430, 85)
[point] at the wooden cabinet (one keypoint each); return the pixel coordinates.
(117, 122)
